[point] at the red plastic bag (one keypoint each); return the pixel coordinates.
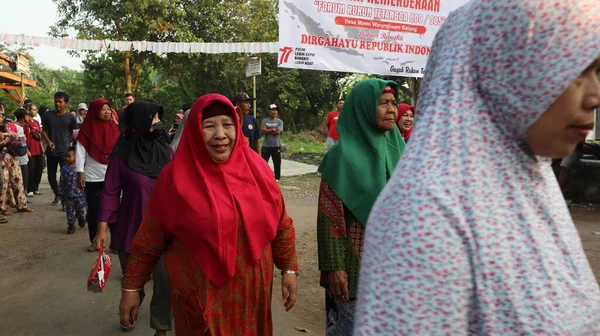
(100, 272)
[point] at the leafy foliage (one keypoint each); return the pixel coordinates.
(304, 96)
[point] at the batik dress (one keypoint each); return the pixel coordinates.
(72, 194)
(340, 239)
(13, 192)
(241, 307)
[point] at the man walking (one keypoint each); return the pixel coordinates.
(332, 118)
(272, 127)
(58, 126)
(249, 124)
(129, 98)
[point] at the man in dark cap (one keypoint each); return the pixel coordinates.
(250, 127)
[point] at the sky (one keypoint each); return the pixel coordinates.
(40, 15)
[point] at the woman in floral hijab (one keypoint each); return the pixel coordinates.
(472, 236)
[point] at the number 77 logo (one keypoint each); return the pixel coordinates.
(285, 54)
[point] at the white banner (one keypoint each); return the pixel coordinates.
(384, 37)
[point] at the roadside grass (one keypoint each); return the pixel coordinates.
(302, 143)
(305, 147)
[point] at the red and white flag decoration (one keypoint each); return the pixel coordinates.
(142, 46)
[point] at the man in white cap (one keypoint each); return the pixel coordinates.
(271, 128)
(81, 113)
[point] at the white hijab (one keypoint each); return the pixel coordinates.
(179, 132)
(471, 235)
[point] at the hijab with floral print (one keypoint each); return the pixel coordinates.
(472, 234)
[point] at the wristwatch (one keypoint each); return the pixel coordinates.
(296, 273)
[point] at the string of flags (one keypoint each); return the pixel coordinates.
(141, 46)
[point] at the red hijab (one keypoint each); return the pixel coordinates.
(96, 136)
(403, 108)
(198, 200)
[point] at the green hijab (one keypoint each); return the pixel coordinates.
(359, 165)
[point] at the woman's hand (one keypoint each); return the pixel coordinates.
(81, 179)
(289, 289)
(337, 282)
(129, 307)
(100, 238)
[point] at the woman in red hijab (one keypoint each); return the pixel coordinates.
(97, 136)
(219, 217)
(406, 119)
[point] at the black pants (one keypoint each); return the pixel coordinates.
(35, 168)
(92, 189)
(53, 163)
(24, 176)
(275, 153)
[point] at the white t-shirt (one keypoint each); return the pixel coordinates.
(22, 160)
(92, 170)
(38, 119)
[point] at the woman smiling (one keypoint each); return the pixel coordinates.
(219, 217)
(406, 118)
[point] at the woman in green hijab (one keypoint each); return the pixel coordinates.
(353, 173)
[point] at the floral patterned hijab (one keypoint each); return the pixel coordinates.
(472, 236)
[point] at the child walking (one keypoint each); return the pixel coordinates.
(71, 194)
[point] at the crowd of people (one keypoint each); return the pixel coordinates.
(461, 230)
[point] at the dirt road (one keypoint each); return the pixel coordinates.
(43, 275)
(43, 272)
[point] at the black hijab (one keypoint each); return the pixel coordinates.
(141, 150)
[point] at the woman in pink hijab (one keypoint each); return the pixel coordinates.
(405, 121)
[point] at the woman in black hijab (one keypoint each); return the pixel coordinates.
(144, 146)
(137, 159)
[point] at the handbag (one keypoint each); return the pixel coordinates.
(100, 272)
(36, 133)
(18, 147)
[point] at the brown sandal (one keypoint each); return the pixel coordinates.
(25, 210)
(7, 212)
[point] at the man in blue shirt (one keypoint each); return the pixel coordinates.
(58, 126)
(250, 126)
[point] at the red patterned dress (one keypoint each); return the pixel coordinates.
(242, 307)
(340, 240)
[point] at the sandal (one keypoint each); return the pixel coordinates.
(7, 212)
(25, 210)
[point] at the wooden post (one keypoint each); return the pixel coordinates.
(254, 94)
(22, 91)
(128, 80)
(414, 90)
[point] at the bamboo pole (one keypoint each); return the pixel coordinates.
(254, 94)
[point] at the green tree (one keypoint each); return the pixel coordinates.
(125, 20)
